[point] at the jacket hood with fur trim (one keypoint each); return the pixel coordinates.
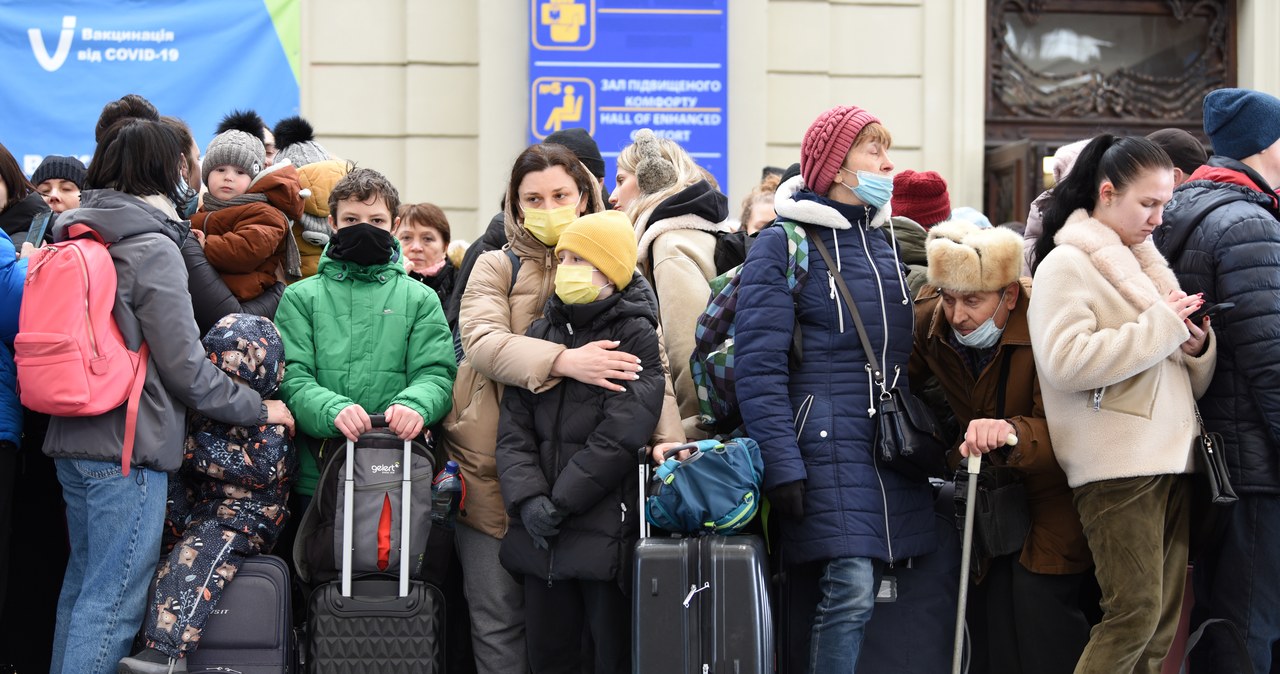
(699, 206)
(814, 212)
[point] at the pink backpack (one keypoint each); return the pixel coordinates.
(71, 357)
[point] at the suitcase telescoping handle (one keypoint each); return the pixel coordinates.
(348, 518)
(642, 462)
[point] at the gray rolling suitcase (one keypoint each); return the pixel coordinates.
(701, 604)
(376, 623)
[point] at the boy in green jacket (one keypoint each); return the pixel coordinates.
(360, 336)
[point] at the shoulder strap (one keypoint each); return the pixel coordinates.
(131, 412)
(39, 225)
(1238, 651)
(515, 267)
(876, 371)
(1003, 382)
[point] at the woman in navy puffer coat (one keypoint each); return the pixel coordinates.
(838, 509)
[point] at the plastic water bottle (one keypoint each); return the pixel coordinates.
(446, 496)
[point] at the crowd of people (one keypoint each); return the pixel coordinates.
(1068, 353)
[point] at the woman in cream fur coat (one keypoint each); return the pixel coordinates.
(1121, 367)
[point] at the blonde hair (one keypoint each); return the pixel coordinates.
(662, 168)
(761, 193)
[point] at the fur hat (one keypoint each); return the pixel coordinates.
(247, 121)
(966, 258)
(827, 142)
(654, 172)
(1241, 122)
(606, 240)
(921, 196)
(296, 140)
(64, 168)
(248, 347)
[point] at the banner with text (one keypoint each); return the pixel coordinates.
(194, 60)
(615, 66)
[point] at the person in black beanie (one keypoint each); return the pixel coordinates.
(59, 180)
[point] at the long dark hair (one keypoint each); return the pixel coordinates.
(1106, 157)
(541, 157)
(14, 181)
(139, 157)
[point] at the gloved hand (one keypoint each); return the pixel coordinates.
(541, 519)
(788, 499)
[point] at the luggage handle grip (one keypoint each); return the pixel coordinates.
(378, 420)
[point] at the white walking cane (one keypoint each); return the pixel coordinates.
(974, 466)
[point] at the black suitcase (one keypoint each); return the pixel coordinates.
(251, 630)
(377, 623)
(700, 605)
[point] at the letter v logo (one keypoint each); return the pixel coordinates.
(64, 45)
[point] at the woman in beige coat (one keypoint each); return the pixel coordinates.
(548, 189)
(678, 212)
(1121, 367)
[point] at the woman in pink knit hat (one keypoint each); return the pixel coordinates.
(842, 517)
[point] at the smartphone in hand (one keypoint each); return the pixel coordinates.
(1211, 310)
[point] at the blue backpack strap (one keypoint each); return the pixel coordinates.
(458, 355)
(515, 267)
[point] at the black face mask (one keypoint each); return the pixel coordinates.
(362, 244)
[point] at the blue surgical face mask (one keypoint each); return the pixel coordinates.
(986, 335)
(873, 189)
(191, 199)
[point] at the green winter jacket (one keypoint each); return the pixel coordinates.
(365, 335)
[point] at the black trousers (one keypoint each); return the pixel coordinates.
(1029, 623)
(571, 618)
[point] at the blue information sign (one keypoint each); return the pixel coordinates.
(194, 60)
(615, 66)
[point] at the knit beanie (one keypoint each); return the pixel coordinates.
(606, 240)
(921, 196)
(966, 258)
(233, 148)
(296, 141)
(1241, 122)
(1186, 152)
(583, 146)
(827, 142)
(65, 168)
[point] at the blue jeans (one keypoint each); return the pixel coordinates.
(114, 523)
(848, 586)
(1235, 578)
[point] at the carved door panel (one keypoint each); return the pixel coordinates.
(1010, 182)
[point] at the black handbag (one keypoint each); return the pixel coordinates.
(1208, 449)
(1001, 516)
(908, 439)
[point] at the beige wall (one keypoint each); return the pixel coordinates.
(444, 97)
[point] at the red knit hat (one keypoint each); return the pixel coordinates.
(921, 196)
(827, 142)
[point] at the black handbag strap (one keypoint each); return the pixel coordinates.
(834, 273)
(1003, 382)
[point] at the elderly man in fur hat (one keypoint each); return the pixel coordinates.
(971, 333)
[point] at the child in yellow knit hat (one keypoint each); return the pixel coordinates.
(566, 455)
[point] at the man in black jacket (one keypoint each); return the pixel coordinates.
(1221, 234)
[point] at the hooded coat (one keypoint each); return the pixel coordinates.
(1222, 237)
(246, 243)
(13, 273)
(152, 304)
(361, 335)
(676, 254)
(577, 445)
(812, 422)
(493, 317)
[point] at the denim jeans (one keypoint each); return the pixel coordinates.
(114, 523)
(848, 586)
(1236, 579)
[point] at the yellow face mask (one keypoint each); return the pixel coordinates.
(546, 225)
(573, 284)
